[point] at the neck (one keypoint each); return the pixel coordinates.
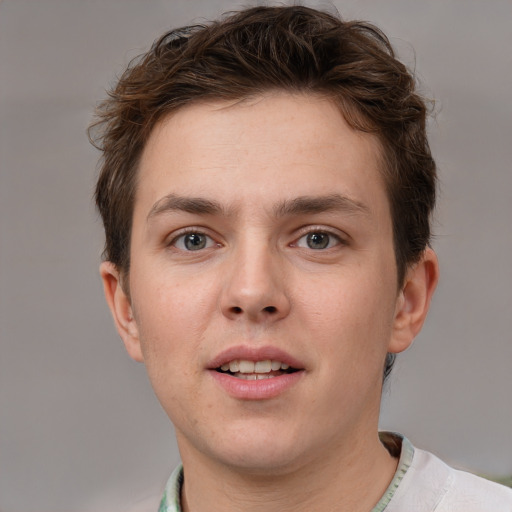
(352, 477)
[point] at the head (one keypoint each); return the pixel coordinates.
(265, 50)
(266, 191)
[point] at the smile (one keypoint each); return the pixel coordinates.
(255, 370)
(255, 373)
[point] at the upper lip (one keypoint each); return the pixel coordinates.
(248, 353)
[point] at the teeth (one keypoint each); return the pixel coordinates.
(243, 366)
(263, 367)
(254, 376)
(246, 367)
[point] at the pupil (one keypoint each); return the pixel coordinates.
(195, 241)
(318, 240)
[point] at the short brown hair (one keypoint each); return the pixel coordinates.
(296, 49)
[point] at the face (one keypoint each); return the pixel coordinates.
(263, 294)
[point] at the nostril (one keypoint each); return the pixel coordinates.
(237, 310)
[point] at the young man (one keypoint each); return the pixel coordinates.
(266, 191)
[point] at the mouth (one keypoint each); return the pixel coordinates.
(250, 373)
(255, 370)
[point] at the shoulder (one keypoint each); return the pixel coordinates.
(472, 493)
(431, 485)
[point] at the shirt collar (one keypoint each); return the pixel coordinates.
(171, 499)
(395, 444)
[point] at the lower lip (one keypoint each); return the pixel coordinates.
(263, 389)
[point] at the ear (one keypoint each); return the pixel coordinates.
(414, 301)
(121, 309)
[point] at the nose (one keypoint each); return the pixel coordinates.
(255, 286)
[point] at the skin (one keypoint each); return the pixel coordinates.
(258, 283)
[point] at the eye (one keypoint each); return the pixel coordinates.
(318, 240)
(193, 241)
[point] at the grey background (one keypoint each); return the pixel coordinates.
(80, 429)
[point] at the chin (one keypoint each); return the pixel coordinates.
(262, 451)
(262, 462)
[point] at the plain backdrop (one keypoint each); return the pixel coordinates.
(80, 430)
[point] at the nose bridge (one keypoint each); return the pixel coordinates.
(255, 285)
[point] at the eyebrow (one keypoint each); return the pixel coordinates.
(197, 205)
(319, 204)
(298, 206)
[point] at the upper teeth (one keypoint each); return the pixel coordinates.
(244, 366)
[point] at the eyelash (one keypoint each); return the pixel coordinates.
(191, 231)
(332, 237)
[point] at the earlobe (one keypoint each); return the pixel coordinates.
(414, 301)
(121, 309)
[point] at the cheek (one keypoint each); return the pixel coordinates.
(348, 317)
(169, 330)
(172, 316)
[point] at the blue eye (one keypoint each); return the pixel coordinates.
(193, 241)
(318, 240)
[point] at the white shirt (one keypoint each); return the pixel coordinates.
(422, 483)
(430, 485)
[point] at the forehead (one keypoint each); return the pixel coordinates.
(277, 143)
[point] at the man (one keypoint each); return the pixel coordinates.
(266, 191)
